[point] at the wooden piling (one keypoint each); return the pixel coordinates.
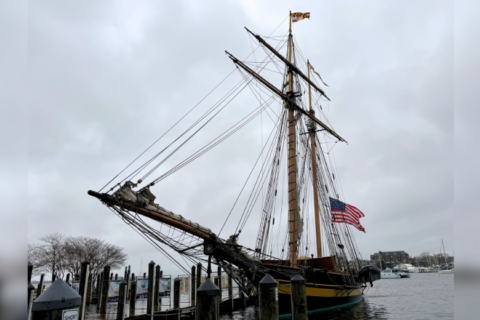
(151, 285)
(128, 283)
(176, 293)
(199, 275)
(82, 290)
(157, 286)
(122, 295)
(116, 276)
(268, 298)
(133, 292)
(31, 289)
(219, 272)
(208, 296)
(97, 286)
(105, 287)
(40, 285)
(99, 291)
(241, 295)
(192, 286)
(230, 289)
(90, 289)
(111, 276)
(67, 281)
(54, 277)
(299, 298)
(30, 271)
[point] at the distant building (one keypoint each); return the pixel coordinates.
(391, 257)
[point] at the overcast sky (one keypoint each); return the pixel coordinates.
(108, 78)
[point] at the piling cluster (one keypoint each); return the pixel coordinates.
(60, 300)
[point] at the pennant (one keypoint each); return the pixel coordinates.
(318, 74)
(297, 16)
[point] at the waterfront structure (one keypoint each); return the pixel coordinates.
(391, 257)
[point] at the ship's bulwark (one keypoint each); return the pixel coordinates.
(317, 302)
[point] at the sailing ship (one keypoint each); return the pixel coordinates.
(296, 150)
(444, 254)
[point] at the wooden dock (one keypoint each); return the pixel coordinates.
(226, 306)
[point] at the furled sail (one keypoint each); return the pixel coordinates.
(145, 199)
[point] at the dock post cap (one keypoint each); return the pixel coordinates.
(151, 262)
(57, 296)
(208, 288)
(298, 279)
(86, 262)
(30, 264)
(268, 281)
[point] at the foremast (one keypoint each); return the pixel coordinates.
(312, 129)
(292, 163)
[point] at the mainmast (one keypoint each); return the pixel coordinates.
(312, 129)
(291, 105)
(292, 155)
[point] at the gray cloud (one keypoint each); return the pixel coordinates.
(106, 79)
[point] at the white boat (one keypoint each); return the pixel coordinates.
(447, 271)
(406, 267)
(388, 274)
(401, 273)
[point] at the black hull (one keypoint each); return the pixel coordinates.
(315, 303)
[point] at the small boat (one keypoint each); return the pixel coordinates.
(401, 273)
(405, 268)
(388, 274)
(447, 271)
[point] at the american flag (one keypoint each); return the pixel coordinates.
(345, 213)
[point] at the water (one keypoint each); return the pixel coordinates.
(423, 296)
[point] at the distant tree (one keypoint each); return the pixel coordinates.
(49, 255)
(98, 252)
(58, 254)
(426, 258)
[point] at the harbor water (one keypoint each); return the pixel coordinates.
(423, 296)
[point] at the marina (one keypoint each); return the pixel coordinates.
(258, 191)
(387, 299)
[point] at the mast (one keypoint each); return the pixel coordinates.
(311, 129)
(292, 154)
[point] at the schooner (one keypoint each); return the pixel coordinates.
(295, 149)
